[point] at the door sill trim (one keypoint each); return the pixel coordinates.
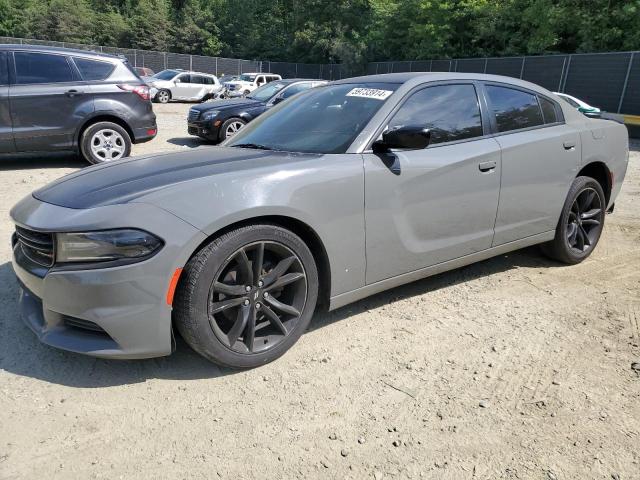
(386, 284)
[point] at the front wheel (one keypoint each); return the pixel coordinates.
(246, 297)
(163, 96)
(580, 224)
(230, 128)
(105, 142)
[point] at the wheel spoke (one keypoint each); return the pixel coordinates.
(594, 212)
(244, 312)
(274, 319)
(278, 305)
(258, 260)
(590, 222)
(587, 199)
(279, 270)
(233, 290)
(250, 334)
(587, 241)
(579, 239)
(285, 280)
(245, 267)
(217, 307)
(572, 236)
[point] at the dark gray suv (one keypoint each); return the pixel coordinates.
(55, 99)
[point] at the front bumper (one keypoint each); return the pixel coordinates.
(206, 130)
(115, 312)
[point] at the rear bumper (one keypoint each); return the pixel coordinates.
(145, 134)
(116, 312)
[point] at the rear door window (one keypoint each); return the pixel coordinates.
(451, 112)
(514, 109)
(93, 69)
(42, 68)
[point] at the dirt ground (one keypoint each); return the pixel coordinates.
(513, 368)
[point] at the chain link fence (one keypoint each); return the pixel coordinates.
(216, 65)
(610, 81)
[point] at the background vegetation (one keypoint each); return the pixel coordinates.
(346, 31)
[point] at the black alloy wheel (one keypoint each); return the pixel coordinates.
(257, 297)
(584, 220)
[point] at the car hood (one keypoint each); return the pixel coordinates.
(131, 179)
(225, 104)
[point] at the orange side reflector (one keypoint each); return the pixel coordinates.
(172, 285)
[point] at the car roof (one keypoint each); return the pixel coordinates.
(70, 51)
(420, 77)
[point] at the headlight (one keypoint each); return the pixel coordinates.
(105, 245)
(210, 115)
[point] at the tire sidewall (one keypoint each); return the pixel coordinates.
(159, 98)
(579, 184)
(201, 337)
(87, 135)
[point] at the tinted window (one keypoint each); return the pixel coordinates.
(297, 88)
(4, 80)
(514, 109)
(548, 110)
(198, 79)
(451, 112)
(165, 75)
(184, 79)
(42, 68)
(321, 120)
(93, 69)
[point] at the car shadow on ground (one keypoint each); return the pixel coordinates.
(191, 142)
(37, 161)
(22, 354)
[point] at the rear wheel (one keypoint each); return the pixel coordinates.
(247, 296)
(580, 224)
(105, 142)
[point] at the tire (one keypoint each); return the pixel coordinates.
(207, 316)
(105, 142)
(225, 129)
(587, 201)
(163, 96)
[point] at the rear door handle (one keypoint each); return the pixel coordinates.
(569, 145)
(487, 166)
(73, 93)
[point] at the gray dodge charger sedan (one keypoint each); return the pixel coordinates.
(344, 191)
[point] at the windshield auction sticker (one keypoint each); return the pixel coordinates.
(370, 93)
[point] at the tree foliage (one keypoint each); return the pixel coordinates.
(345, 31)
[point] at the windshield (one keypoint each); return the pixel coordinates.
(247, 78)
(322, 120)
(267, 91)
(165, 75)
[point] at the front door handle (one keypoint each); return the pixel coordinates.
(73, 93)
(569, 145)
(487, 166)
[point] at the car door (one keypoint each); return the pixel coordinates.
(6, 127)
(424, 207)
(48, 101)
(184, 89)
(540, 158)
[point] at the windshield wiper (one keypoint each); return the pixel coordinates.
(255, 146)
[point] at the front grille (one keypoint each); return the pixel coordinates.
(192, 130)
(193, 115)
(37, 246)
(80, 324)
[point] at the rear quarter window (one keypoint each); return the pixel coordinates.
(549, 111)
(93, 69)
(514, 109)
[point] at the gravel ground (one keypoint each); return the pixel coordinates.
(513, 368)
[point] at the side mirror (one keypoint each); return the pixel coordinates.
(405, 137)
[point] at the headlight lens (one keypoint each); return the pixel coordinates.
(210, 115)
(105, 245)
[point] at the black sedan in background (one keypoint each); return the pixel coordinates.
(220, 119)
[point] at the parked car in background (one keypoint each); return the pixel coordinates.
(248, 82)
(580, 105)
(175, 84)
(348, 190)
(144, 72)
(55, 99)
(221, 119)
(228, 78)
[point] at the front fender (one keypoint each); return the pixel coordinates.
(325, 192)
